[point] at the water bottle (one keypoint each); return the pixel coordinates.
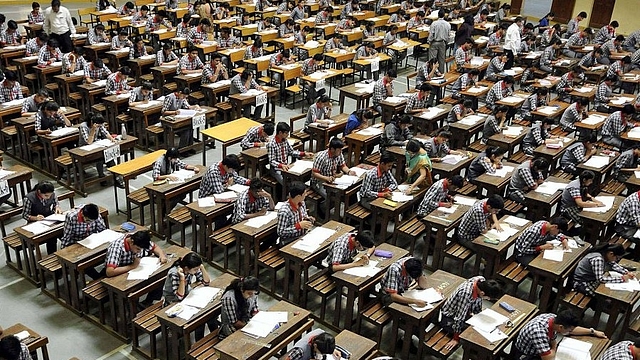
(123, 132)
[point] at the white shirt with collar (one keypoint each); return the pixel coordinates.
(58, 23)
(512, 38)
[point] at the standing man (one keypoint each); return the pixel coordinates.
(58, 25)
(438, 38)
(512, 42)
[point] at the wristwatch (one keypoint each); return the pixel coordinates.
(592, 331)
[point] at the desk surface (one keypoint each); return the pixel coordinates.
(168, 187)
(558, 268)
(136, 164)
(538, 196)
(231, 130)
(383, 264)
(33, 342)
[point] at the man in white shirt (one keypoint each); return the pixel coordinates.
(58, 25)
(512, 42)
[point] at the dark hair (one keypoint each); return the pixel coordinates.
(35, 5)
(583, 101)
(494, 151)
(191, 49)
(268, 128)
(402, 119)
(620, 38)
(125, 70)
(547, 121)
(92, 118)
(484, 12)
(146, 8)
(90, 211)
(205, 22)
(123, 33)
(509, 79)
(413, 145)
(457, 181)
(413, 267)
(500, 108)
(54, 3)
(365, 238)
(10, 75)
(323, 99)
(592, 138)
(336, 143)
(129, 5)
(318, 57)
(474, 72)
(43, 37)
(172, 153)
(145, 85)
(11, 24)
(583, 14)
(216, 56)
(604, 248)
(386, 157)
(425, 87)
(296, 188)
(491, 288)
(45, 187)
(325, 343)
(186, 18)
(282, 127)
(10, 348)
(628, 109)
(51, 106)
(392, 73)
(256, 184)
(560, 222)
(141, 239)
(614, 24)
(441, 13)
(626, 60)
(238, 286)
(495, 201)
(539, 163)
(231, 161)
(190, 261)
(567, 318)
(53, 43)
(586, 175)
(185, 91)
(588, 31)
(445, 134)
(97, 62)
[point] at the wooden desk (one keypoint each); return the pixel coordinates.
(89, 94)
(174, 328)
(255, 159)
(21, 177)
(384, 214)
(215, 90)
(239, 346)
(141, 65)
(46, 73)
(203, 218)
(414, 322)
(598, 345)
(24, 66)
(541, 206)
(476, 346)
(144, 115)
(97, 50)
(119, 288)
(443, 223)
(299, 262)
(116, 104)
(443, 170)
(359, 287)
(390, 109)
(161, 195)
(427, 123)
(616, 302)
(34, 342)
(228, 134)
(249, 238)
(337, 195)
(360, 94)
(364, 65)
(595, 224)
(589, 93)
(549, 273)
(553, 156)
(464, 133)
(359, 144)
(495, 184)
(359, 346)
(322, 134)
(65, 82)
(129, 170)
(163, 74)
(495, 255)
(115, 56)
(82, 157)
(602, 172)
(560, 107)
(185, 123)
(239, 101)
(53, 148)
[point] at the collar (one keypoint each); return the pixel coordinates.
(352, 242)
(569, 76)
(551, 321)
(223, 172)
(277, 139)
(484, 207)
(610, 29)
(127, 247)
(293, 205)
(419, 95)
(633, 353)
(251, 197)
(379, 172)
(261, 131)
(543, 231)
(384, 81)
(474, 294)
(445, 184)
(80, 216)
(404, 270)
(503, 84)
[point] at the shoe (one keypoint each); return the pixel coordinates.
(120, 183)
(104, 183)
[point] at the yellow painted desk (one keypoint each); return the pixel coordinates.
(228, 134)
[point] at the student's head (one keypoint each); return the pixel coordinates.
(52, 44)
(90, 212)
(12, 25)
(231, 161)
(256, 186)
(413, 267)
(318, 57)
(495, 153)
(586, 177)
(393, 29)
(413, 147)
(386, 161)
(205, 24)
(146, 88)
(144, 9)
(225, 32)
(10, 78)
(10, 348)
(35, 6)
(582, 15)
(123, 34)
(186, 18)
(297, 192)
(129, 5)
(425, 89)
(443, 136)
(94, 119)
(614, 24)
(490, 289)
(364, 240)
(193, 52)
(268, 128)
(41, 96)
(44, 189)
(420, 14)
(587, 31)
(500, 111)
(455, 182)
(519, 19)
(565, 322)
(558, 225)
(99, 29)
(124, 71)
(610, 252)
(619, 39)
(140, 240)
(441, 14)
(323, 344)
(282, 130)
(539, 164)
(546, 123)
(42, 38)
(335, 147)
(138, 41)
(323, 100)
(183, 94)
(495, 203)
(402, 121)
(172, 155)
(97, 63)
(468, 44)
(244, 289)
(474, 73)
(190, 263)
(628, 111)
(509, 80)
(582, 103)
(51, 108)
(55, 6)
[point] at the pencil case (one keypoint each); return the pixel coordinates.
(383, 253)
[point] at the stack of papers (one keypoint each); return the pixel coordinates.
(512, 130)
(465, 200)
(634, 133)
(431, 113)
(99, 83)
(264, 322)
(148, 265)
(597, 162)
(503, 235)
(238, 188)
(486, 324)
(621, 100)
(502, 172)
(149, 104)
(260, 221)
(398, 196)
(512, 99)
(572, 349)
(312, 241)
(94, 240)
(448, 210)
(226, 196)
(584, 89)
(594, 119)
(452, 159)
(253, 92)
(182, 175)
(207, 202)
(358, 170)
(4, 173)
(301, 166)
(370, 131)
(631, 285)
(370, 269)
(201, 296)
(394, 99)
(513, 220)
(185, 113)
(37, 227)
(15, 102)
(429, 296)
(471, 119)
(553, 255)
(64, 131)
(97, 145)
(549, 110)
(550, 187)
(345, 181)
(218, 84)
(476, 89)
(606, 200)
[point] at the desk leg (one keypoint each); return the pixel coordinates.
(338, 306)
(348, 319)
(247, 244)
(79, 170)
(194, 231)
(114, 311)
(394, 334)
(203, 233)
(297, 282)
(441, 240)
(74, 296)
(614, 311)
(152, 211)
(342, 98)
(287, 278)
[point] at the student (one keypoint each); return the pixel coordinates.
(481, 217)
(578, 153)
(616, 124)
(598, 266)
(397, 279)
(316, 344)
(172, 105)
(327, 165)
(343, 251)
(239, 304)
(254, 51)
(121, 41)
(606, 33)
(419, 167)
(576, 197)
(420, 101)
(494, 123)
(95, 71)
(74, 61)
(368, 32)
(526, 177)
(481, 18)
(214, 70)
(537, 99)
(32, 104)
(590, 60)
(458, 112)
(333, 44)
(222, 12)
(463, 55)
(538, 135)
(426, 72)
(437, 147)
(33, 46)
(117, 82)
(253, 202)
(38, 204)
(464, 82)
(221, 175)
(538, 336)
(319, 113)
(574, 113)
(169, 163)
(128, 9)
(358, 120)
(577, 41)
(396, 132)
(610, 47)
(574, 24)
(324, 16)
(97, 35)
(159, 19)
(11, 36)
(464, 302)
(487, 161)
(568, 80)
(496, 66)
(548, 58)
(143, 18)
(500, 90)
(35, 16)
(141, 94)
(138, 49)
(177, 286)
(80, 223)
(279, 150)
(257, 136)
(91, 130)
(13, 349)
(536, 238)
(298, 12)
(190, 63)
(10, 87)
(240, 84)
(103, 5)
(199, 34)
(50, 118)
(378, 182)
(604, 94)
(628, 217)
(626, 164)
(166, 56)
(366, 51)
(286, 29)
(550, 35)
(624, 350)
(293, 219)
(439, 195)
(49, 54)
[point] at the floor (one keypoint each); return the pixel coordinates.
(536, 8)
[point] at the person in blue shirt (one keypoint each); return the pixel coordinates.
(358, 119)
(544, 22)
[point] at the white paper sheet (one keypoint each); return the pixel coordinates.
(64, 131)
(514, 220)
(421, 308)
(300, 166)
(99, 83)
(55, 217)
(238, 188)
(94, 240)
(187, 112)
(183, 174)
(370, 269)
(260, 221)
(597, 161)
(358, 170)
(36, 227)
(148, 104)
(395, 99)
(471, 119)
(148, 265)
(477, 89)
(487, 320)
(550, 187)
(14, 102)
(345, 181)
(225, 196)
(452, 159)
(503, 235)
(398, 196)
(606, 200)
(630, 285)
(637, 174)
(512, 99)
(448, 210)
(502, 172)
(187, 312)
(512, 130)
(312, 241)
(4, 173)
(260, 325)
(429, 295)
(492, 336)
(553, 255)
(207, 202)
(431, 113)
(572, 349)
(464, 200)
(370, 131)
(200, 296)
(594, 119)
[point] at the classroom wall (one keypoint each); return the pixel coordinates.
(627, 14)
(583, 5)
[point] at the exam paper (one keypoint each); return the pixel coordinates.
(207, 202)
(148, 104)
(95, 240)
(502, 172)
(225, 196)
(261, 324)
(512, 130)
(512, 99)
(183, 174)
(594, 119)
(606, 200)
(553, 255)
(238, 188)
(476, 89)
(431, 113)
(630, 285)
(99, 83)
(148, 265)
(452, 159)
(572, 349)
(55, 217)
(301, 166)
(464, 200)
(492, 336)
(471, 119)
(448, 210)
(14, 102)
(370, 131)
(187, 312)
(36, 227)
(346, 180)
(514, 220)
(260, 221)
(597, 161)
(429, 295)
(200, 296)
(358, 170)
(487, 320)
(550, 187)
(370, 269)
(187, 112)
(64, 131)
(312, 241)
(503, 235)
(398, 196)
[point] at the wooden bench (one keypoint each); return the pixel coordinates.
(203, 349)
(376, 315)
(12, 241)
(412, 228)
(613, 187)
(7, 216)
(64, 163)
(513, 274)
(563, 175)
(139, 198)
(96, 292)
(519, 157)
(459, 254)
(224, 108)
(169, 87)
(450, 100)
(50, 266)
(9, 136)
(272, 184)
(300, 134)
(468, 189)
(272, 260)
(359, 214)
(373, 159)
(153, 132)
(323, 286)
(485, 110)
(225, 238)
(435, 341)
(316, 199)
(99, 108)
(180, 217)
(293, 91)
(511, 207)
(477, 146)
(411, 75)
(577, 302)
(196, 97)
(147, 322)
